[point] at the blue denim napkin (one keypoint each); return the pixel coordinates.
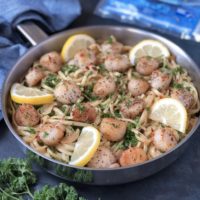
(55, 15)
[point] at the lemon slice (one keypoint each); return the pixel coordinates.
(86, 146)
(151, 48)
(170, 112)
(74, 44)
(29, 95)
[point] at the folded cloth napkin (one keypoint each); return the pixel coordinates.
(55, 15)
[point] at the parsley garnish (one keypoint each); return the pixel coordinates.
(165, 68)
(128, 103)
(148, 109)
(16, 176)
(129, 139)
(106, 115)
(88, 92)
(51, 80)
(177, 85)
(110, 40)
(81, 107)
(31, 130)
(67, 69)
(102, 68)
(45, 134)
(177, 70)
(62, 191)
(188, 88)
(117, 113)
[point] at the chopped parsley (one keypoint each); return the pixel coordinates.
(31, 130)
(67, 69)
(51, 80)
(117, 113)
(165, 68)
(64, 109)
(80, 106)
(177, 85)
(188, 88)
(148, 109)
(45, 134)
(177, 70)
(110, 40)
(123, 96)
(109, 115)
(88, 92)
(52, 113)
(101, 68)
(129, 139)
(128, 103)
(119, 78)
(106, 115)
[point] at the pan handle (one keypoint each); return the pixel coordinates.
(32, 32)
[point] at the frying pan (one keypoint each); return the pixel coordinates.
(43, 44)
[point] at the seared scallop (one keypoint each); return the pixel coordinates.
(184, 96)
(103, 158)
(138, 86)
(164, 139)
(113, 129)
(51, 61)
(131, 156)
(160, 80)
(117, 63)
(132, 107)
(26, 115)
(104, 87)
(34, 76)
(111, 48)
(146, 65)
(84, 57)
(84, 112)
(51, 134)
(67, 92)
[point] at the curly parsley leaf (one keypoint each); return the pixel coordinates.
(62, 191)
(15, 177)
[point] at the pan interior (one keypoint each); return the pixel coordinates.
(125, 35)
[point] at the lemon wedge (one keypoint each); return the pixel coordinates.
(74, 44)
(151, 48)
(29, 95)
(170, 112)
(86, 146)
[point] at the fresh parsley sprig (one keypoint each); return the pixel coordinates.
(16, 177)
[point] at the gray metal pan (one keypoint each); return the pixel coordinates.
(91, 176)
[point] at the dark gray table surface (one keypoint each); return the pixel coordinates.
(181, 180)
